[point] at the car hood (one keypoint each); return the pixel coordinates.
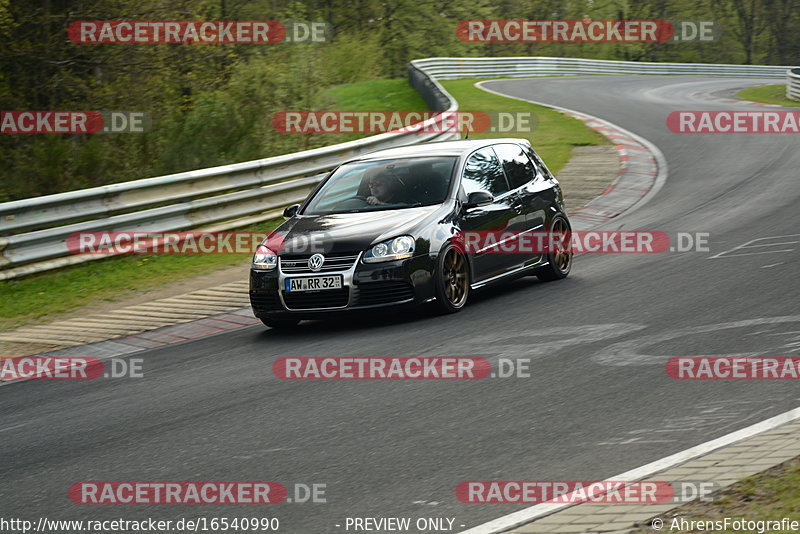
(348, 232)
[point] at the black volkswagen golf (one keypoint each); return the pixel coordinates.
(384, 230)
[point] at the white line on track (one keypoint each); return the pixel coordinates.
(12, 427)
(538, 511)
(750, 244)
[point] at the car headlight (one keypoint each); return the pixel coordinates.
(264, 259)
(393, 249)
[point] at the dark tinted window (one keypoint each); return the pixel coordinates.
(537, 161)
(518, 166)
(484, 173)
(384, 184)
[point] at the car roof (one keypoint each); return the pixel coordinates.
(439, 148)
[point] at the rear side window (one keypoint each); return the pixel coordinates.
(483, 172)
(518, 166)
(541, 168)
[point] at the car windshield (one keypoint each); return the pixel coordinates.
(384, 184)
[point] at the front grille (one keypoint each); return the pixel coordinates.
(384, 293)
(332, 298)
(299, 264)
(265, 301)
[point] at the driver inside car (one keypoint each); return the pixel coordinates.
(383, 189)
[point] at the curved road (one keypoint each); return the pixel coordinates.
(597, 403)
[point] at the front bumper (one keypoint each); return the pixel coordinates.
(365, 286)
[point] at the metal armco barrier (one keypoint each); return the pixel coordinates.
(33, 232)
(793, 84)
(450, 68)
(432, 91)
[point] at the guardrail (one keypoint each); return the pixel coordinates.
(450, 68)
(34, 232)
(793, 84)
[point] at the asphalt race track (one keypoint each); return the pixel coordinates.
(597, 403)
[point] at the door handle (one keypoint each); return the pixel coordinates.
(517, 203)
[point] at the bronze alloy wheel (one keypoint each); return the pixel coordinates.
(559, 258)
(453, 280)
(455, 273)
(563, 256)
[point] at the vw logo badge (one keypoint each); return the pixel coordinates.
(315, 262)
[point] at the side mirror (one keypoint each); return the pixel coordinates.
(291, 211)
(478, 198)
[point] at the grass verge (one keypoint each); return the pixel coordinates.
(554, 134)
(377, 95)
(768, 496)
(52, 293)
(768, 94)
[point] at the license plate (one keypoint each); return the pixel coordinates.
(314, 283)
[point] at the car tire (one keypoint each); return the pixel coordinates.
(451, 280)
(280, 324)
(559, 263)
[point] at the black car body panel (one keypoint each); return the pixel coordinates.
(344, 238)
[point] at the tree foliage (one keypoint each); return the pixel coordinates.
(212, 104)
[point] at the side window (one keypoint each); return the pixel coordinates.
(484, 173)
(518, 166)
(541, 168)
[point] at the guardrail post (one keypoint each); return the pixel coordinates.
(793, 84)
